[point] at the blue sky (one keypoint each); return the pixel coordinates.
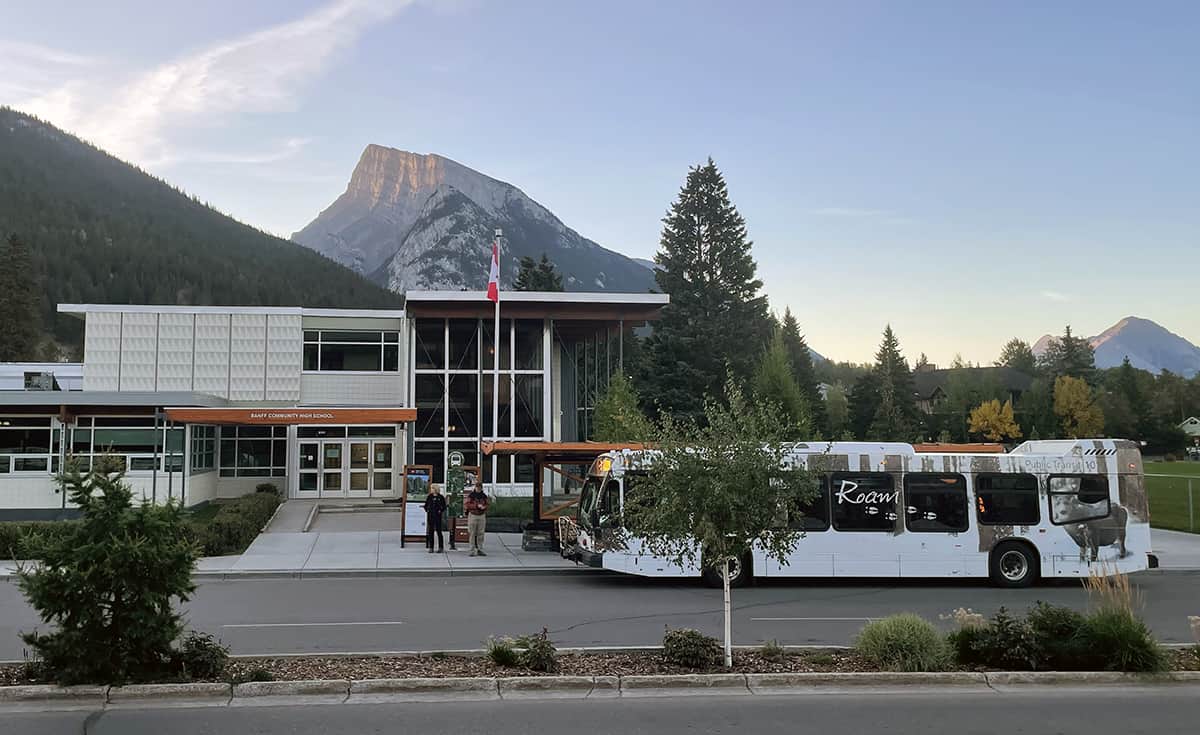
(967, 172)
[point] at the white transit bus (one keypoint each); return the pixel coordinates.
(1045, 509)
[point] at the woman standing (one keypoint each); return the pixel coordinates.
(435, 509)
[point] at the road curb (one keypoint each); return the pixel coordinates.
(365, 691)
(225, 575)
(142, 696)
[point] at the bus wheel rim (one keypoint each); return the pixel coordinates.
(735, 569)
(1013, 565)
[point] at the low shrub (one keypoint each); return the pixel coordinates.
(1117, 640)
(201, 656)
(27, 540)
(821, 659)
(236, 523)
(772, 651)
(1007, 642)
(255, 674)
(903, 642)
(538, 653)
(266, 487)
(691, 649)
(503, 652)
(1058, 632)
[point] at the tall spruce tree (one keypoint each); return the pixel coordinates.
(862, 405)
(717, 323)
(20, 303)
(802, 369)
(896, 417)
(537, 275)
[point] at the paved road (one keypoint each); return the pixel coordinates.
(1110, 711)
(444, 613)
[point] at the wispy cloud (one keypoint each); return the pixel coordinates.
(30, 68)
(849, 212)
(144, 117)
(1055, 296)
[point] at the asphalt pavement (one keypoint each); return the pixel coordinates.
(271, 616)
(1163, 710)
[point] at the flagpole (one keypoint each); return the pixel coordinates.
(496, 360)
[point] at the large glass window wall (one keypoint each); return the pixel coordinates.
(453, 388)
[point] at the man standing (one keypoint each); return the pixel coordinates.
(435, 507)
(476, 506)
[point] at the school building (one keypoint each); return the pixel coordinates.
(204, 402)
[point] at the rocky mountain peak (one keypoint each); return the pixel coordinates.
(413, 220)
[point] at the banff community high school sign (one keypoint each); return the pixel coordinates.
(277, 416)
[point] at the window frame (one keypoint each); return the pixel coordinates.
(1050, 494)
(1037, 497)
(385, 340)
(276, 435)
(824, 499)
(833, 506)
(962, 487)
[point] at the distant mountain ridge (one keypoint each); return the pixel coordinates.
(1149, 346)
(101, 230)
(410, 220)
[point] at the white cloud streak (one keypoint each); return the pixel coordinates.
(1056, 296)
(143, 118)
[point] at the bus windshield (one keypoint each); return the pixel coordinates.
(589, 495)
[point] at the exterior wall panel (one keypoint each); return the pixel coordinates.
(247, 357)
(333, 389)
(175, 332)
(102, 351)
(285, 357)
(139, 351)
(212, 354)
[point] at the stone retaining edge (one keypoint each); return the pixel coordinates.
(342, 690)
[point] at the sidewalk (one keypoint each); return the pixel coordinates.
(1176, 549)
(381, 551)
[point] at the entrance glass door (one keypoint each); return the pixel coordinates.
(381, 465)
(310, 469)
(333, 481)
(360, 469)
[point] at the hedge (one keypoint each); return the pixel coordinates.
(229, 531)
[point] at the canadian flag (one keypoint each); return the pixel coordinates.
(494, 274)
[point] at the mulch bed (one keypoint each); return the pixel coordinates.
(582, 664)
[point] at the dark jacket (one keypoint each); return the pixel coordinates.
(434, 505)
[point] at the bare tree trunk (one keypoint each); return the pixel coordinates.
(728, 615)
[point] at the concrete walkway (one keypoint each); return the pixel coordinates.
(381, 551)
(1176, 549)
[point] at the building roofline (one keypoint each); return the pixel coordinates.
(561, 297)
(81, 309)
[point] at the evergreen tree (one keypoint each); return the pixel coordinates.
(618, 415)
(863, 405)
(20, 303)
(774, 384)
(110, 587)
(801, 360)
(717, 323)
(1069, 355)
(922, 363)
(837, 409)
(537, 275)
(1018, 355)
(896, 417)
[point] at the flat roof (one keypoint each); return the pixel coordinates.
(544, 297)
(80, 309)
(33, 398)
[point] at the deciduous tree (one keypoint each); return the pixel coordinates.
(619, 416)
(719, 488)
(774, 383)
(994, 421)
(1018, 355)
(1080, 416)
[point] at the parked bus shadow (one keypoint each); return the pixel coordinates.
(630, 581)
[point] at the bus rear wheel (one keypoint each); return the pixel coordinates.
(1013, 564)
(740, 572)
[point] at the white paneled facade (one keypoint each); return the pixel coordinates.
(284, 356)
(139, 352)
(102, 345)
(176, 341)
(247, 357)
(211, 354)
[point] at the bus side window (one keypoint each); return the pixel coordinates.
(1007, 500)
(814, 514)
(863, 501)
(1078, 498)
(935, 503)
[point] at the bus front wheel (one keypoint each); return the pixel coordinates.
(740, 571)
(1013, 564)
